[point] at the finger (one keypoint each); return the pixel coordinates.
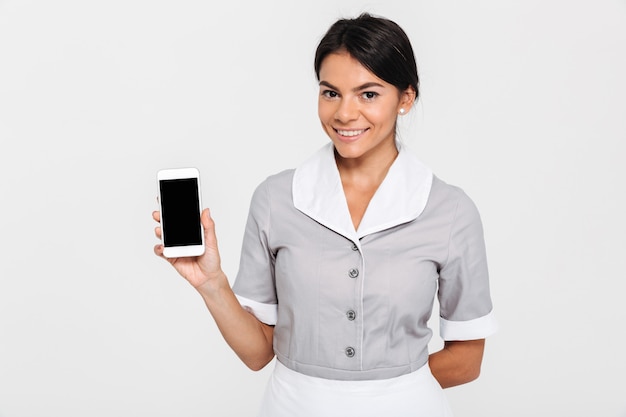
(157, 232)
(156, 215)
(210, 238)
(207, 223)
(158, 250)
(205, 218)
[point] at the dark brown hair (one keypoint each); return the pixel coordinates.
(379, 44)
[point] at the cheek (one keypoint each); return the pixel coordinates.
(324, 110)
(382, 115)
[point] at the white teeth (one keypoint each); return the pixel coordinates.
(350, 132)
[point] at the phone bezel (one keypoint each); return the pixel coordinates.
(174, 174)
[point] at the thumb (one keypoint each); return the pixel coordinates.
(209, 227)
(205, 218)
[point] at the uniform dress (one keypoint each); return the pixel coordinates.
(350, 307)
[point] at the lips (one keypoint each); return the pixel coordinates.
(350, 134)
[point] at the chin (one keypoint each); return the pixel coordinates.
(348, 152)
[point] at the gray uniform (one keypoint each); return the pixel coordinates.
(354, 304)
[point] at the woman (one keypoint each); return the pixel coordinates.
(343, 256)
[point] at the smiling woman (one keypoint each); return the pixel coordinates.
(358, 111)
(343, 257)
(358, 108)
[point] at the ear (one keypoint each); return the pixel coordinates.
(407, 98)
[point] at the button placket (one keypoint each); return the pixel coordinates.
(351, 313)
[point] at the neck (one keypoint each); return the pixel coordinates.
(370, 168)
(361, 177)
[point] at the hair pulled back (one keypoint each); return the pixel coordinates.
(379, 44)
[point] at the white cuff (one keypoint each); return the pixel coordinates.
(468, 330)
(267, 313)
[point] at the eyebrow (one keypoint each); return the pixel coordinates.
(355, 89)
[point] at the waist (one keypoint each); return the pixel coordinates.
(356, 386)
(348, 371)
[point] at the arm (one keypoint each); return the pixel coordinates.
(245, 334)
(458, 362)
(465, 307)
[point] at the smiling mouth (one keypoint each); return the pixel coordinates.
(350, 133)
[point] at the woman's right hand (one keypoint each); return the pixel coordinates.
(251, 339)
(198, 270)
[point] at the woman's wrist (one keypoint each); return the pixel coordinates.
(214, 285)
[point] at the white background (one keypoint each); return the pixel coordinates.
(523, 105)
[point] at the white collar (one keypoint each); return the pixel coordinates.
(400, 198)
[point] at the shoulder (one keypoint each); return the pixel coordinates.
(276, 187)
(442, 190)
(281, 178)
(451, 199)
(276, 183)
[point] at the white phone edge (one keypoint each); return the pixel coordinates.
(174, 174)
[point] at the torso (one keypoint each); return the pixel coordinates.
(353, 304)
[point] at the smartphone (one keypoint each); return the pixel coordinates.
(181, 205)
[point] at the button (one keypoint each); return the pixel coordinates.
(351, 315)
(355, 247)
(350, 352)
(353, 273)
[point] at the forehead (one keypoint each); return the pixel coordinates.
(342, 69)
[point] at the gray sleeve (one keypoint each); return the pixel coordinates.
(464, 295)
(255, 285)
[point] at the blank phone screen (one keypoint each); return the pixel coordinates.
(180, 212)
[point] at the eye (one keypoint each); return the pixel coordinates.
(369, 95)
(329, 94)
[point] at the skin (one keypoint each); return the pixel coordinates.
(248, 337)
(358, 111)
(354, 100)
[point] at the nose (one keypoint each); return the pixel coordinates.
(347, 110)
